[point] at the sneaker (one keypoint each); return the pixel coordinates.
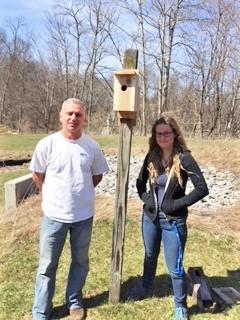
(181, 314)
(77, 314)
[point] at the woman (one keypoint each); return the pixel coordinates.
(167, 167)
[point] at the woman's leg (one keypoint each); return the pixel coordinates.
(151, 238)
(174, 239)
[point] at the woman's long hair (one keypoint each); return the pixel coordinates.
(155, 151)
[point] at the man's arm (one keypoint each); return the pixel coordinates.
(38, 179)
(96, 179)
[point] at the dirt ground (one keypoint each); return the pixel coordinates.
(220, 221)
(26, 220)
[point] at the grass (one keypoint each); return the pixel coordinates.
(213, 243)
(221, 153)
(219, 256)
(17, 146)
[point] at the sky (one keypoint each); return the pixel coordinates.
(32, 11)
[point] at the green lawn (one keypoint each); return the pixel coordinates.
(18, 146)
(218, 257)
(14, 146)
(26, 143)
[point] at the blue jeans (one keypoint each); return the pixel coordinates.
(153, 233)
(52, 238)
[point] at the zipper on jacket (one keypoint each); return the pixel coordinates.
(167, 184)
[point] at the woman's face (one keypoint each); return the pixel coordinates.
(164, 136)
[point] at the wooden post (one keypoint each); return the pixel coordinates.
(127, 120)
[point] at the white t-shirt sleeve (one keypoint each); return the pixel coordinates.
(39, 158)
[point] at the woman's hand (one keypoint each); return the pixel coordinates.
(148, 201)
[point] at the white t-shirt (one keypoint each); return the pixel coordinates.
(68, 191)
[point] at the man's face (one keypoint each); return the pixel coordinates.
(72, 118)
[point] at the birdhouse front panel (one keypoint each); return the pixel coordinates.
(125, 90)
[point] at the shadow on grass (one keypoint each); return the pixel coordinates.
(59, 312)
(231, 280)
(62, 311)
(162, 288)
(162, 285)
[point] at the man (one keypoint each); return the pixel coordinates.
(66, 165)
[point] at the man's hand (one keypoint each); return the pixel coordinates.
(38, 179)
(96, 179)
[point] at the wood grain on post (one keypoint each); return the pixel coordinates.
(124, 152)
(130, 60)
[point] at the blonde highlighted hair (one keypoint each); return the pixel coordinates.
(156, 154)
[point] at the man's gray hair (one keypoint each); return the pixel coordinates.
(72, 101)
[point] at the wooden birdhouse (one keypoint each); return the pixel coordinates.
(126, 90)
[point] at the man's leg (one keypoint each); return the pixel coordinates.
(80, 237)
(52, 238)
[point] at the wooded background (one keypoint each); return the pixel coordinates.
(189, 63)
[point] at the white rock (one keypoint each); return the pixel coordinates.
(222, 188)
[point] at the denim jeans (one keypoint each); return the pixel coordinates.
(52, 238)
(155, 232)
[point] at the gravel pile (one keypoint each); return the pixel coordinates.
(222, 189)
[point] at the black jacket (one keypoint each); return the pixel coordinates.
(175, 202)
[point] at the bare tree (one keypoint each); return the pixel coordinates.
(16, 54)
(208, 60)
(163, 19)
(100, 25)
(60, 45)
